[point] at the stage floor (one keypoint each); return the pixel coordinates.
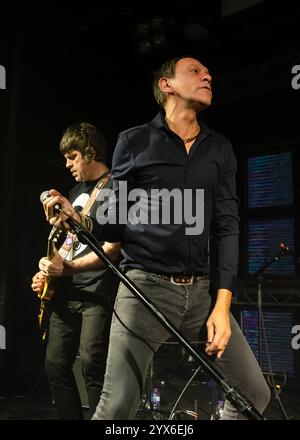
(196, 401)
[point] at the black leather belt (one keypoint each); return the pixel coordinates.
(183, 279)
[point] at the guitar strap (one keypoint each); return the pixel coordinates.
(70, 244)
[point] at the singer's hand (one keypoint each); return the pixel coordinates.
(55, 218)
(218, 324)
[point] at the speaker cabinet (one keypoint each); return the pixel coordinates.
(80, 382)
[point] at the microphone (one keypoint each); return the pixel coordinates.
(286, 250)
(44, 195)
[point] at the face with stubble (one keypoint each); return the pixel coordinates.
(79, 166)
(191, 83)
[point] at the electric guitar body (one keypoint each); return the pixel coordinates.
(48, 291)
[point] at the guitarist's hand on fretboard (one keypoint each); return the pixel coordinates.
(52, 267)
(38, 282)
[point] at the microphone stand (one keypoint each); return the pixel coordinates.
(260, 275)
(233, 395)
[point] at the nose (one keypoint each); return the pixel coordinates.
(68, 163)
(207, 77)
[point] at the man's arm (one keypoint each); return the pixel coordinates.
(57, 267)
(227, 225)
(227, 231)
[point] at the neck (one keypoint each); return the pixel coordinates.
(183, 122)
(97, 169)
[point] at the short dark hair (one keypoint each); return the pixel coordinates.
(86, 139)
(167, 70)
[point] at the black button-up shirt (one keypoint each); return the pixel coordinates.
(152, 157)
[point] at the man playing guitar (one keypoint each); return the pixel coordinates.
(81, 310)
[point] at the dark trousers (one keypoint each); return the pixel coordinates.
(129, 356)
(83, 327)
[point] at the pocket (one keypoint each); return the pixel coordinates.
(144, 278)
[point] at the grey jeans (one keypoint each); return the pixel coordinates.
(130, 354)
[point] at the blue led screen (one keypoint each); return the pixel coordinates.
(264, 238)
(270, 180)
(278, 326)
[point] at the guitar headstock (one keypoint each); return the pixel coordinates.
(54, 234)
(52, 239)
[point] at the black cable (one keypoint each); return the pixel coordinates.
(35, 385)
(172, 414)
(146, 341)
(277, 397)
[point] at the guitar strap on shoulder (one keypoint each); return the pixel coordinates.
(67, 249)
(91, 200)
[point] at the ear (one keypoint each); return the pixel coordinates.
(164, 85)
(90, 154)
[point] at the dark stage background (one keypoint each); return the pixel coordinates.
(94, 63)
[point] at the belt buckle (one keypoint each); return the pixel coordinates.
(182, 280)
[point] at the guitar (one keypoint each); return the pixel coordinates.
(48, 291)
(66, 252)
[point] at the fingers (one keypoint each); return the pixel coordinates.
(38, 282)
(55, 218)
(55, 198)
(49, 205)
(54, 193)
(212, 347)
(46, 267)
(37, 288)
(53, 267)
(217, 343)
(210, 336)
(43, 266)
(38, 278)
(221, 346)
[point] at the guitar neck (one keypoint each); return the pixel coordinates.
(48, 291)
(50, 249)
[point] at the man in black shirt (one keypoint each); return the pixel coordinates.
(84, 289)
(178, 162)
